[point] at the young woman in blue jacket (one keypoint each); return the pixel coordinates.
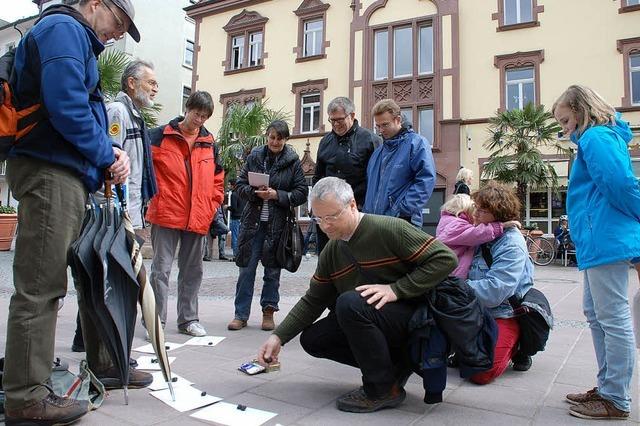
(603, 202)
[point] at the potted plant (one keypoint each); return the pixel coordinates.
(8, 225)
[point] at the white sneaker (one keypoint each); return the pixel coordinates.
(194, 329)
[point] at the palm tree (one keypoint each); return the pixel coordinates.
(242, 129)
(515, 142)
(111, 64)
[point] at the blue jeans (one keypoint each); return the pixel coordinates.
(234, 226)
(246, 281)
(606, 306)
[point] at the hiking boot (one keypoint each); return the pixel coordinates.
(581, 398)
(193, 329)
(237, 324)
(521, 362)
(357, 401)
(267, 319)
(137, 379)
(601, 409)
(53, 410)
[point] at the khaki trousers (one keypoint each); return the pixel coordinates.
(50, 213)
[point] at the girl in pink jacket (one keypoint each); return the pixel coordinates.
(457, 231)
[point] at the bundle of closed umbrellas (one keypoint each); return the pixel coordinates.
(107, 261)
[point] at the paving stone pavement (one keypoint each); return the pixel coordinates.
(304, 391)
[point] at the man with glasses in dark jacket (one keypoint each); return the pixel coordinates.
(344, 153)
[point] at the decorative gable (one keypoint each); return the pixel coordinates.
(243, 20)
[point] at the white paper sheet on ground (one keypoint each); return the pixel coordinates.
(229, 414)
(258, 179)
(204, 341)
(159, 383)
(148, 349)
(187, 398)
(147, 362)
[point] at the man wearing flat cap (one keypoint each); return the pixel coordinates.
(50, 171)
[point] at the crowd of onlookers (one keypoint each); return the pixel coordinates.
(382, 278)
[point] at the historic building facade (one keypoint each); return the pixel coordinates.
(450, 65)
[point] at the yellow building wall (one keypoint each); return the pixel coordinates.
(579, 42)
(281, 70)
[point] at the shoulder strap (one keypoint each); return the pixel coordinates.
(370, 277)
(486, 254)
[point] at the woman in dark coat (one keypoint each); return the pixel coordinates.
(463, 181)
(263, 220)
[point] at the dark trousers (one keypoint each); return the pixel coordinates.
(357, 334)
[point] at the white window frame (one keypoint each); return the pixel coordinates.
(518, 12)
(520, 83)
(255, 49)
(315, 35)
(633, 70)
(394, 52)
(311, 107)
(237, 44)
(188, 43)
(183, 99)
(375, 55)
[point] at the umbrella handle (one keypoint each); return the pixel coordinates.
(108, 179)
(120, 194)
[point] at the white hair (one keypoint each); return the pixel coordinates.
(331, 187)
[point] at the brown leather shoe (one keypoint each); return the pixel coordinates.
(581, 398)
(602, 409)
(267, 319)
(53, 410)
(358, 401)
(137, 379)
(237, 324)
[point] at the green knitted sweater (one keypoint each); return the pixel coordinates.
(389, 249)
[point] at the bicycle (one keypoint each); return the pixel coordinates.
(541, 251)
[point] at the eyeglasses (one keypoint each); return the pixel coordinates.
(329, 219)
(151, 83)
(383, 125)
(199, 115)
(120, 28)
(337, 120)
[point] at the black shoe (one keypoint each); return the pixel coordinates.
(53, 410)
(137, 379)
(522, 362)
(77, 348)
(452, 361)
(224, 258)
(207, 259)
(357, 401)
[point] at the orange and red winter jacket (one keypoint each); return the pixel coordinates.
(190, 184)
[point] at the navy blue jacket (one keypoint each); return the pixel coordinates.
(56, 62)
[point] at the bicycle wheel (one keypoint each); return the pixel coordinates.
(541, 251)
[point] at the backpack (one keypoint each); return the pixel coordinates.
(14, 122)
(84, 386)
(533, 313)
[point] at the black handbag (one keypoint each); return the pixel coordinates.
(289, 251)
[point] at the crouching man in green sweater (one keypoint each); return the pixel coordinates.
(369, 276)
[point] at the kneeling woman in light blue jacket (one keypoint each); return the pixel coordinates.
(603, 203)
(509, 274)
